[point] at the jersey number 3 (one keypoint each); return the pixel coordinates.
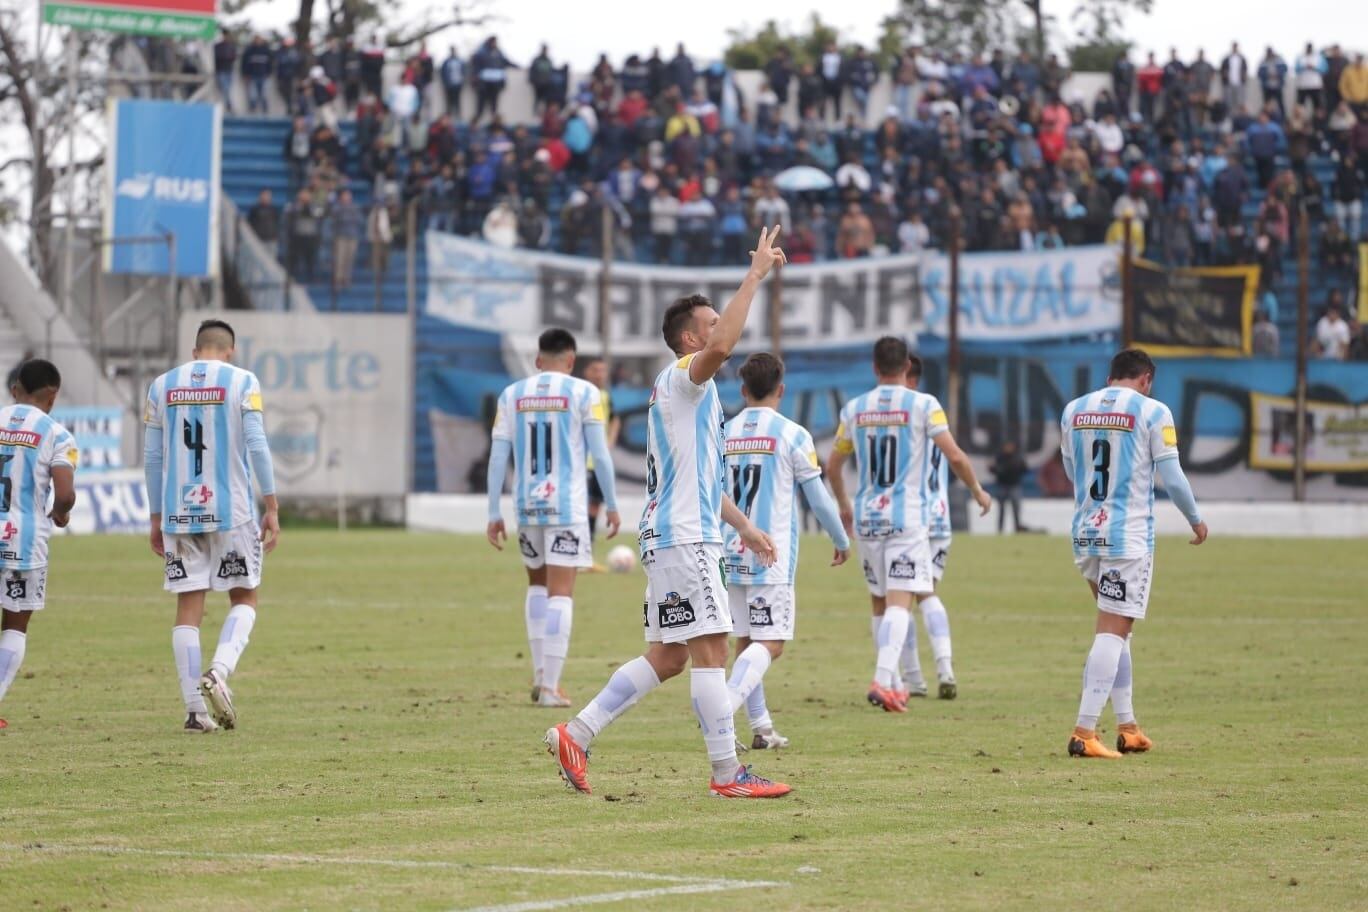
(1101, 452)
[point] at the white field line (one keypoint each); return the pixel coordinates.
(683, 884)
(594, 899)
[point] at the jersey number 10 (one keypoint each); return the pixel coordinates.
(883, 460)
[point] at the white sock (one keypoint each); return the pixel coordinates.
(185, 644)
(757, 711)
(628, 684)
(747, 672)
(237, 628)
(1098, 676)
(910, 659)
(534, 613)
(1122, 691)
(892, 635)
(875, 622)
(560, 612)
(713, 707)
(12, 644)
(938, 632)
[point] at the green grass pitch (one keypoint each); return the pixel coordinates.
(388, 757)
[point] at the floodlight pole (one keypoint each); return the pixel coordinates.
(952, 385)
(1303, 322)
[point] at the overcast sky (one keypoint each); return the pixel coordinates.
(578, 30)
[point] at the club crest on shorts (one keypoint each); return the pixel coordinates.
(525, 546)
(903, 567)
(761, 613)
(232, 564)
(566, 543)
(175, 568)
(675, 611)
(16, 587)
(939, 559)
(870, 576)
(1112, 586)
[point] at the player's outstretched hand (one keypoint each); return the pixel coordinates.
(496, 533)
(840, 557)
(270, 531)
(158, 544)
(755, 539)
(614, 523)
(766, 256)
(984, 500)
(1199, 534)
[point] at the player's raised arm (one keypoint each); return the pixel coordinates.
(751, 535)
(705, 365)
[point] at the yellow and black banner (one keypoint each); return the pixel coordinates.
(1203, 310)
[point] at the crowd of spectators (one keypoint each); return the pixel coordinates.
(685, 166)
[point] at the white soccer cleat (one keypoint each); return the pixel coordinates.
(219, 697)
(770, 740)
(200, 724)
(553, 698)
(914, 688)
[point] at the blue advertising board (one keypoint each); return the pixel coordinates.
(163, 181)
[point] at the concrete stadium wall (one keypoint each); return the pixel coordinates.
(467, 513)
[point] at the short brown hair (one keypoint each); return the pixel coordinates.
(761, 375)
(677, 318)
(914, 367)
(890, 356)
(1130, 364)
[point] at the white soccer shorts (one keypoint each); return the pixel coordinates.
(898, 563)
(940, 554)
(686, 593)
(1123, 584)
(762, 612)
(556, 546)
(214, 560)
(24, 590)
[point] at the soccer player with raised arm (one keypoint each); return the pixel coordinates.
(550, 423)
(1113, 442)
(932, 609)
(890, 431)
(37, 458)
(686, 615)
(204, 444)
(770, 459)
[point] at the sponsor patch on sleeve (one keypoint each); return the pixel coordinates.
(254, 402)
(684, 362)
(597, 413)
(938, 417)
(843, 442)
(812, 458)
(73, 456)
(1170, 435)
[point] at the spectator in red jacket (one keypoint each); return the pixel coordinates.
(1149, 80)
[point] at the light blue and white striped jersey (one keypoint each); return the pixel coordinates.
(937, 484)
(889, 431)
(544, 417)
(206, 475)
(768, 459)
(683, 462)
(31, 443)
(1111, 441)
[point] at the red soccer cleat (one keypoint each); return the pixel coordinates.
(570, 757)
(748, 785)
(885, 698)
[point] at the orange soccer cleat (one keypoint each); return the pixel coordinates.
(1084, 743)
(885, 698)
(572, 759)
(748, 785)
(1131, 740)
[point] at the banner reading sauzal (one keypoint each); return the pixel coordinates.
(1205, 310)
(336, 390)
(1009, 296)
(163, 183)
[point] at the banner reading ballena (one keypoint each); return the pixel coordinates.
(1004, 296)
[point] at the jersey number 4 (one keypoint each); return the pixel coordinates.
(6, 483)
(745, 485)
(192, 433)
